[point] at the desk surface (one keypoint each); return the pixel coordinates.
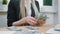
(40, 28)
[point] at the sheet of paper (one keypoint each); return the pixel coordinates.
(52, 31)
(28, 32)
(7, 32)
(13, 28)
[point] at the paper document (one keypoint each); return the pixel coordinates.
(7, 32)
(52, 31)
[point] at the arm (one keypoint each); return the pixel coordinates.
(28, 19)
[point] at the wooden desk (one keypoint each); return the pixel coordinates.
(40, 28)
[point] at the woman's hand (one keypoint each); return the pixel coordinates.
(30, 20)
(41, 22)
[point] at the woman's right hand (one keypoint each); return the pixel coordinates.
(30, 20)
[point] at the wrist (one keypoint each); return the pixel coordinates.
(23, 20)
(19, 22)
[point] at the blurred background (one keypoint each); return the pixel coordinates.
(49, 7)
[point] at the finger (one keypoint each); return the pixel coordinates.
(31, 22)
(33, 19)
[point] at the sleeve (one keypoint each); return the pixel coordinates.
(11, 13)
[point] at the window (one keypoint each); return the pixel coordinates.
(4, 2)
(47, 2)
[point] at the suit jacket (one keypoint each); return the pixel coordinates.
(14, 10)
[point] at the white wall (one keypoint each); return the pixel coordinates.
(59, 11)
(3, 20)
(3, 16)
(0, 2)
